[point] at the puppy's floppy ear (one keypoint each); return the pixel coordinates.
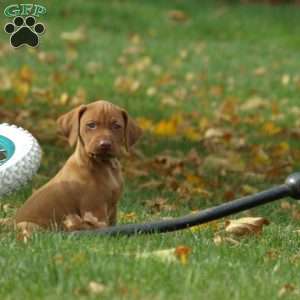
(132, 132)
(69, 124)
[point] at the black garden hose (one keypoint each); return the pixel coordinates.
(291, 188)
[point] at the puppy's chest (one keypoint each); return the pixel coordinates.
(108, 184)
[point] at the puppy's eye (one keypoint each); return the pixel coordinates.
(115, 125)
(91, 125)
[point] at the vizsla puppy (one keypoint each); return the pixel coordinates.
(89, 185)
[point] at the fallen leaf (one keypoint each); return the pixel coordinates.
(151, 91)
(260, 71)
(254, 103)
(271, 128)
(75, 36)
(287, 288)
(96, 287)
(151, 184)
(219, 240)
(127, 84)
(245, 226)
(128, 217)
(159, 204)
(166, 255)
(182, 253)
(46, 57)
(178, 16)
(285, 79)
(231, 161)
(93, 67)
(26, 74)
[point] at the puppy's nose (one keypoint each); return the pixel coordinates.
(105, 145)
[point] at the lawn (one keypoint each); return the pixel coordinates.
(215, 87)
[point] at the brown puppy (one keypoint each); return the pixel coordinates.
(89, 185)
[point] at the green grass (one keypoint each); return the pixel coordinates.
(225, 44)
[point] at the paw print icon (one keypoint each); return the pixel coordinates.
(24, 32)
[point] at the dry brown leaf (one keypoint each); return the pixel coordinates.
(182, 253)
(245, 226)
(231, 161)
(93, 67)
(127, 84)
(79, 97)
(5, 80)
(159, 204)
(285, 205)
(46, 57)
(260, 71)
(178, 16)
(286, 289)
(151, 184)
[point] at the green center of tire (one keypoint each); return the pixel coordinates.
(7, 149)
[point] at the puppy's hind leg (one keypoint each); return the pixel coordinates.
(25, 230)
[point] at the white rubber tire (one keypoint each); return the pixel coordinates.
(24, 162)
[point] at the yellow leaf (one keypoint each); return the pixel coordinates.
(64, 98)
(26, 74)
(22, 90)
(166, 128)
(248, 189)
(128, 217)
(271, 128)
(260, 157)
(281, 150)
(145, 123)
(192, 134)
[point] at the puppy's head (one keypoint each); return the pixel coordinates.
(101, 127)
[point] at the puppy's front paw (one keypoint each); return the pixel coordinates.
(74, 222)
(92, 221)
